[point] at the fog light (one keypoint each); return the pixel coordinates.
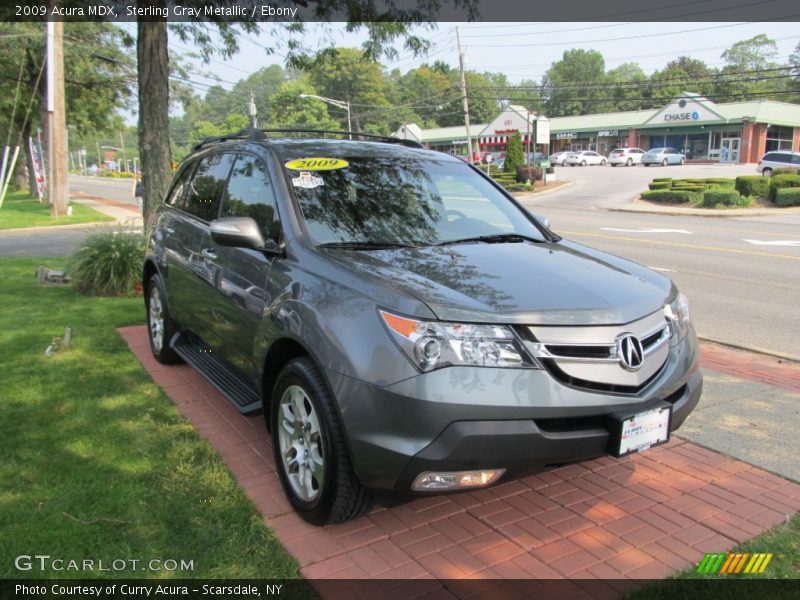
(453, 480)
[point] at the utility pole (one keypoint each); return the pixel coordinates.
(252, 110)
(464, 94)
(56, 120)
(122, 145)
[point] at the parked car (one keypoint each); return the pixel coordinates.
(559, 158)
(663, 157)
(587, 157)
(778, 160)
(403, 323)
(625, 156)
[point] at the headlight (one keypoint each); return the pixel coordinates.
(679, 315)
(435, 344)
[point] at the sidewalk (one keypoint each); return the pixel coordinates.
(126, 214)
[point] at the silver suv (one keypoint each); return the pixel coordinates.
(403, 323)
(772, 161)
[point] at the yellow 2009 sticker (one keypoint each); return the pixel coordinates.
(317, 164)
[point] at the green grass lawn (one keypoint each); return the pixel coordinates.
(21, 210)
(96, 460)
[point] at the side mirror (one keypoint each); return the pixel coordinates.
(238, 232)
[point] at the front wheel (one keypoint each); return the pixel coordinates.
(683, 161)
(602, 163)
(629, 163)
(309, 448)
(767, 172)
(160, 325)
(664, 163)
(583, 163)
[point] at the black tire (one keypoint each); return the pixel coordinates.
(613, 164)
(583, 163)
(602, 163)
(341, 496)
(767, 172)
(646, 164)
(629, 162)
(683, 161)
(664, 162)
(161, 349)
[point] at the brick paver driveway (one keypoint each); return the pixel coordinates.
(640, 517)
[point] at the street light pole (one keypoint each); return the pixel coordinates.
(338, 104)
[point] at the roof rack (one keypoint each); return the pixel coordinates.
(258, 135)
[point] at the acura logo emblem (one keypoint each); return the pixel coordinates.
(630, 352)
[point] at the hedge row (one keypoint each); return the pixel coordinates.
(753, 185)
(723, 197)
(779, 182)
(788, 197)
(677, 196)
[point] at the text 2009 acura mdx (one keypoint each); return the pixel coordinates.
(403, 322)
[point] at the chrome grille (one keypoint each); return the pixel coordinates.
(589, 356)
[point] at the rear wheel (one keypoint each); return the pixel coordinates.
(683, 161)
(629, 162)
(310, 450)
(767, 172)
(664, 163)
(583, 163)
(603, 163)
(160, 325)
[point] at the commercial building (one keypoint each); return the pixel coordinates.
(735, 132)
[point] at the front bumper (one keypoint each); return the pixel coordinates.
(468, 418)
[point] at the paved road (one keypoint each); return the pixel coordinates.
(101, 187)
(741, 292)
(614, 187)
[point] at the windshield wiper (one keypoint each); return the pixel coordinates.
(366, 245)
(498, 238)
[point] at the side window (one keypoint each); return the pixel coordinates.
(202, 197)
(784, 158)
(177, 194)
(768, 156)
(250, 194)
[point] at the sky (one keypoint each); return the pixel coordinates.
(520, 50)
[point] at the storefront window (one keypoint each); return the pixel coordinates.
(696, 146)
(779, 138)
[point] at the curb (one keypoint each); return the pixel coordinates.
(59, 227)
(534, 195)
(719, 214)
(752, 349)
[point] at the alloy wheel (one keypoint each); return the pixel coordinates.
(301, 441)
(155, 317)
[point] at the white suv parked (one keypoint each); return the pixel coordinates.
(625, 156)
(778, 160)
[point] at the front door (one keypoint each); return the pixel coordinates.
(729, 151)
(239, 295)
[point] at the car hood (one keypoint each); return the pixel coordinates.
(559, 283)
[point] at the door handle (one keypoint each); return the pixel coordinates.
(209, 253)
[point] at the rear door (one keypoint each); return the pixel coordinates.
(238, 297)
(194, 272)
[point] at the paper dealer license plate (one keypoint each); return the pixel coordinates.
(643, 430)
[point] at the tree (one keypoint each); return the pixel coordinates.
(681, 75)
(752, 54)
(574, 85)
(97, 75)
(748, 67)
(628, 81)
(515, 156)
(288, 109)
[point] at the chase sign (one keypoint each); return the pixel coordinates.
(687, 110)
(682, 116)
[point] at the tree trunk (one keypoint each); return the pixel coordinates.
(154, 147)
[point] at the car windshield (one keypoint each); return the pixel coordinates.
(656, 150)
(402, 200)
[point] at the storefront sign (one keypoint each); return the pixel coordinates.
(683, 116)
(566, 136)
(505, 131)
(608, 133)
(543, 130)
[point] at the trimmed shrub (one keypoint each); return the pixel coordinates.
(689, 188)
(108, 263)
(720, 182)
(515, 157)
(660, 185)
(753, 185)
(518, 187)
(528, 173)
(675, 196)
(788, 197)
(778, 182)
(721, 197)
(656, 179)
